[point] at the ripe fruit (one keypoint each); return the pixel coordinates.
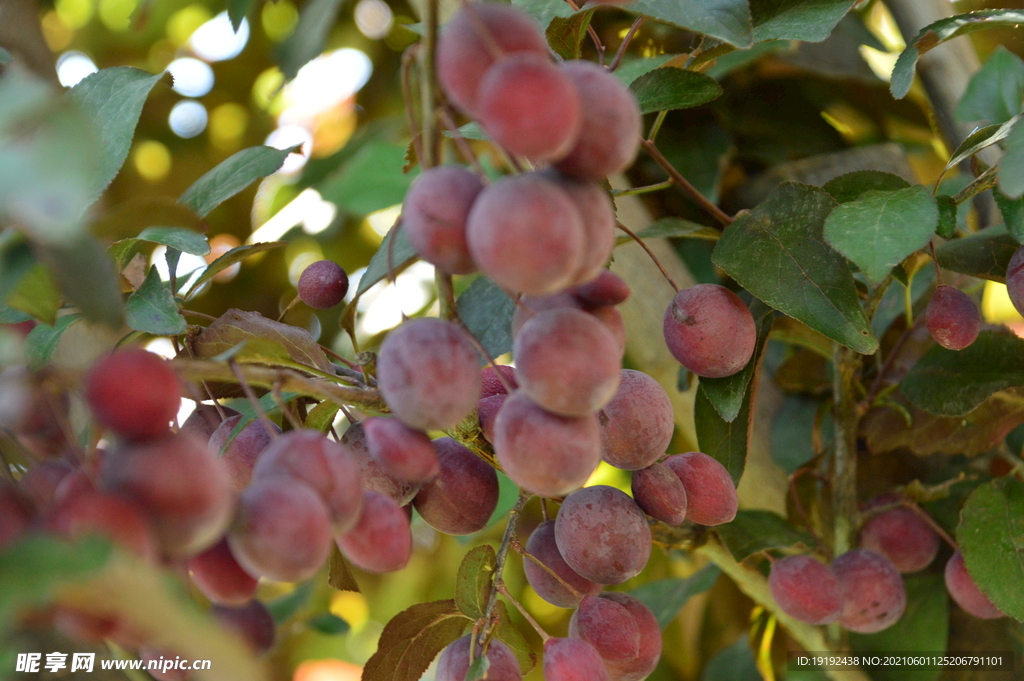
(607, 626)
(528, 306)
(637, 424)
(204, 420)
(41, 481)
(487, 413)
(594, 206)
(567, 362)
(710, 493)
(643, 664)
(492, 385)
(381, 541)
(241, 454)
(219, 576)
(133, 393)
(710, 331)
(660, 493)
(571, 659)
(323, 284)
(404, 453)
(965, 591)
(903, 537)
(873, 593)
(545, 453)
(1015, 279)
(463, 496)
(610, 134)
(252, 621)
(526, 235)
(428, 373)
(607, 288)
(108, 515)
(464, 55)
(953, 319)
(375, 478)
(806, 589)
(603, 535)
(541, 545)
(529, 107)
(454, 661)
(434, 216)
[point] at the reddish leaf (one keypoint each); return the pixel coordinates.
(412, 639)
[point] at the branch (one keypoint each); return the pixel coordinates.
(499, 566)
(691, 191)
(844, 461)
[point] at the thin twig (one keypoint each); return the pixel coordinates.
(521, 550)
(643, 190)
(644, 246)
(876, 385)
(193, 313)
(428, 91)
(935, 263)
(479, 347)
(690, 190)
(625, 43)
(544, 636)
(268, 425)
(463, 145)
(283, 406)
(594, 38)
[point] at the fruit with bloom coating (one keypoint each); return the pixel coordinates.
(965, 591)
(874, 597)
(806, 589)
(603, 535)
(952, 318)
(710, 331)
(710, 492)
(323, 284)
(133, 393)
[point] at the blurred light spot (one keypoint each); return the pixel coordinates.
(383, 303)
(351, 607)
(189, 266)
(219, 245)
(882, 63)
(162, 347)
(74, 13)
(279, 19)
(288, 136)
(353, 284)
(57, 34)
(308, 209)
(192, 78)
(266, 89)
(539, 608)
(326, 82)
(996, 306)
(299, 264)
(188, 118)
(374, 18)
(73, 67)
(152, 160)
(116, 14)
(382, 221)
(161, 54)
(227, 125)
(216, 40)
(185, 21)
(611, 476)
(327, 670)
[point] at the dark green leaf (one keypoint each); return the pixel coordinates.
(310, 37)
(732, 61)
(1012, 211)
(754, 531)
(16, 261)
(339, 575)
(994, 93)
(735, 663)
(283, 607)
(42, 341)
(184, 240)
(510, 635)
(231, 176)
(666, 597)
(792, 438)
(724, 441)
(87, 278)
(37, 295)
(329, 623)
(670, 228)
(947, 216)
(981, 138)
(122, 252)
(473, 583)
(1011, 168)
(544, 11)
(939, 32)
(807, 20)
(237, 10)
(631, 69)
(152, 308)
(671, 88)
(113, 98)
(479, 668)
(564, 34)
(230, 258)
(486, 311)
(727, 394)
(8, 315)
(991, 536)
(924, 626)
(880, 228)
(984, 254)
(412, 639)
(850, 186)
(394, 258)
(777, 252)
(727, 20)
(950, 383)
(371, 180)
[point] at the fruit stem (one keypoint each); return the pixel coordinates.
(844, 459)
(987, 180)
(407, 60)
(499, 566)
(941, 531)
(935, 264)
(644, 246)
(521, 550)
(428, 85)
(463, 145)
(656, 126)
(617, 59)
(643, 190)
(446, 295)
(544, 636)
(688, 188)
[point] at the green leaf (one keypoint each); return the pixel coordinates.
(792, 432)
(984, 254)
(185, 240)
(947, 216)
(850, 186)
(631, 69)
(1011, 168)
(87, 278)
(316, 20)
(237, 10)
(122, 252)
(982, 138)
(722, 440)
(924, 626)
(727, 20)
(991, 536)
(807, 20)
(671, 228)
(754, 531)
(322, 416)
(113, 98)
(37, 295)
(339, 574)
(399, 256)
(370, 181)
(510, 635)
(1012, 211)
(994, 93)
(235, 327)
(666, 597)
(9, 315)
(152, 308)
(470, 131)
(42, 341)
(412, 639)
(283, 607)
(544, 11)
(486, 311)
(732, 61)
(950, 383)
(778, 252)
(670, 88)
(564, 34)
(478, 669)
(231, 176)
(5, 56)
(16, 261)
(473, 583)
(880, 228)
(230, 258)
(727, 394)
(735, 663)
(939, 32)
(329, 623)
(893, 305)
